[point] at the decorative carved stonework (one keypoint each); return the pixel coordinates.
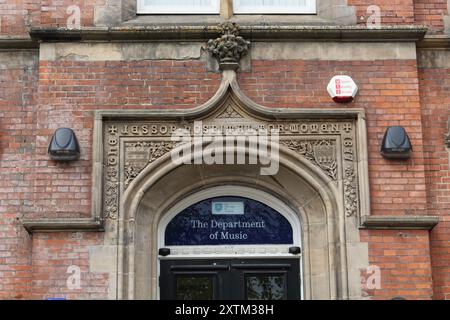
(230, 113)
(111, 184)
(132, 146)
(230, 47)
(139, 154)
(350, 191)
(320, 152)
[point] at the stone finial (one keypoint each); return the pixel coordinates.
(230, 47)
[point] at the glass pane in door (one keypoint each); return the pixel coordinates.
(265, 287)
(195, 288)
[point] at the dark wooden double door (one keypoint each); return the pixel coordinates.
(230, 279)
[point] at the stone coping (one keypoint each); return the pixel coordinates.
(434, 42)
(399, 222)
(250, 32)
(203, 33)
(62, 224)
(367, 222)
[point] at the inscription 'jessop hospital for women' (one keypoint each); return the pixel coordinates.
(282, 128)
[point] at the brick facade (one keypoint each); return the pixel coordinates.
(36, 97)
(435, 101)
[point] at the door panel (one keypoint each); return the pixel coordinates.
(265, 286)
(252, 279)
(195, 287)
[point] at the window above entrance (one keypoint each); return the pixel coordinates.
(238, 6)
(178, 6)
(274, 6)
(228, 221)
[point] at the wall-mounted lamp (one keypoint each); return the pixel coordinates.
(64, 145)
(396, 144)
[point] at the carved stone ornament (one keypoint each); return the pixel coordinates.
(350, 191)
(320, 152)
(230, 47)
(132, 145)
(328, 145)
(229, 113)
(140, 154)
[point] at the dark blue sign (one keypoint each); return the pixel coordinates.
(220, 221)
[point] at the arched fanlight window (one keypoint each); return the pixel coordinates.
(228, 221)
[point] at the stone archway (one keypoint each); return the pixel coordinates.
(315, 209)
(322, 177)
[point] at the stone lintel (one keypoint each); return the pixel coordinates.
(399, 222)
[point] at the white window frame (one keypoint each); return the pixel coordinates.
(310, 8)
(168, 9)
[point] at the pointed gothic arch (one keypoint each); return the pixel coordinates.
(322, 177)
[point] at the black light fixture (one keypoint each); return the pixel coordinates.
(164, 252)
(64, 145)
(295, 250)
(396, 144)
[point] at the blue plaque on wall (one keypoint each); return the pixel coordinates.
(228, 221)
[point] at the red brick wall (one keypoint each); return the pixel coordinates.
(53, 254)
(422, 12)
(389, 94)
(392, 12)
(70, 91)
(17, 88)
(53, 13)
(430, 13)
(68, 94)
(435, 98)
(17, 16)
(404, 260)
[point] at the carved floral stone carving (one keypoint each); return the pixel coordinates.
(132, 146)
(145, 153)
(229, 113)
(230, 47)
(350, 191)
(111, 194)
(320, 152)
